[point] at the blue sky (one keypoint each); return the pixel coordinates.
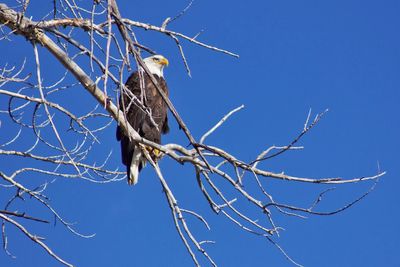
(294, 55)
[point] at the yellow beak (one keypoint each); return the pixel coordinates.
(164, 61)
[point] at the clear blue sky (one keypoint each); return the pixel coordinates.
(294, 55)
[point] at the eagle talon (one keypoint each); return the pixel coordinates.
(157, 153)
(154, 151)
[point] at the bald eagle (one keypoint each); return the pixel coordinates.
(148, 127)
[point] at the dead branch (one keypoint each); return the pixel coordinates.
(34, 107)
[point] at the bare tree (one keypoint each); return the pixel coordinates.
(97, 46)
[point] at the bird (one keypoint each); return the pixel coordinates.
(150, 119)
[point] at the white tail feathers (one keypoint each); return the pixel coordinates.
(134, 168)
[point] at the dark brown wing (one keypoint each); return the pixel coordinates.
(158, 110)
(138, 118)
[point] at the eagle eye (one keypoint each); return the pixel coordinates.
(156, 59)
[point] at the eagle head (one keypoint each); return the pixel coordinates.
(156, 64)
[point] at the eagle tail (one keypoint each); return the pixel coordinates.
(135, 167)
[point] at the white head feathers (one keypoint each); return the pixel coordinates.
(156, 64)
